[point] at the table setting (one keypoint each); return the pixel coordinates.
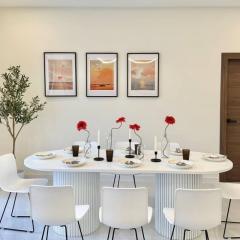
(81, 165)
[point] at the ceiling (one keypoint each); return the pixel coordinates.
(119, 3)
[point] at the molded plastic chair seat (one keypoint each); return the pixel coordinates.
(23, 185)
(150, 213)
(169, 214)
(55, 206)
(125, 208)
(195, 209)
(80, 211)
(10, 182)
(230, 190)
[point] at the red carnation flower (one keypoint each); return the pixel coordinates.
(81, 125)
(170, 120)
(121, 120)
(135, 127)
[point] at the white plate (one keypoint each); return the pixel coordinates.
(136, 163)
(173, 163)
(44, 155)
(214, 157)
(77, 162)
(69, 150)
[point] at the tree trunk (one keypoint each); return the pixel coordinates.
(13, 146)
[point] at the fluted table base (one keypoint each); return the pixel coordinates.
(165, 185)
(86, 188)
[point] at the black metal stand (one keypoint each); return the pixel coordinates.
(156, 159)
(98, 158)
(129, 155)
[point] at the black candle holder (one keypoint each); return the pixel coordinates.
(129, 155)
(156, 159)
(98, 158)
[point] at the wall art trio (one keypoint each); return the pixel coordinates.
(60, 74)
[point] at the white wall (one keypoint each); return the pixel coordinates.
(190, 42)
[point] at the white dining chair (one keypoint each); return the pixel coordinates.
(174, 146)
(125, 208)
(55, 206)
(10, 182)
(230, 191)
(195, 209)
(124, 146)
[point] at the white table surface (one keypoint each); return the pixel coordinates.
(200, 166)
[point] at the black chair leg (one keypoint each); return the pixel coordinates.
(9, 195)
(113, 231)
(14, 229)
(172, 232)
(47, 232)
(114, 180)
(13, 207)
(226, 221)
(134, 181)
(206, 235)
(66, 233)
(109, 232)
(184, 234)
(15, 198)
(143, 233)
(80, 230)
(136, 235)
(43, 232)
(119, 177)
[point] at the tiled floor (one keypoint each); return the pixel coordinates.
(101, 234)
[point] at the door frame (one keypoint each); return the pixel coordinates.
(223, 103)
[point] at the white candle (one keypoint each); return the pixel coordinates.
(155, 143)
(98, 137)
(129, 133)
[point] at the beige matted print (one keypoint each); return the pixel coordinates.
(143, 74)
(102, 74)
(60, 74)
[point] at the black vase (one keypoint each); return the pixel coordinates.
(109, 155)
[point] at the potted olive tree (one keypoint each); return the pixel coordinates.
(15, 112)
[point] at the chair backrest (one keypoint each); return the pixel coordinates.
(230, 190)
(173, 146)
(8, 170)
(53, 206)
(124, 145)
(124, 208)
(198, 209)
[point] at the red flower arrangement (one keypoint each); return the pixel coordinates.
(134, 127)
(120, 120)
(82, 125)
(170, 120)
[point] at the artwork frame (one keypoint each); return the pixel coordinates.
(93, 75)
(151, 89)
(62, 89)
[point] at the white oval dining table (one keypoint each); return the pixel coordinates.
(86, 183)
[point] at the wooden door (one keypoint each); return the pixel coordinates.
(230, 114)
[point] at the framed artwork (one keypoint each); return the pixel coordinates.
(143, 74)
(101, 74)
(60, 74)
